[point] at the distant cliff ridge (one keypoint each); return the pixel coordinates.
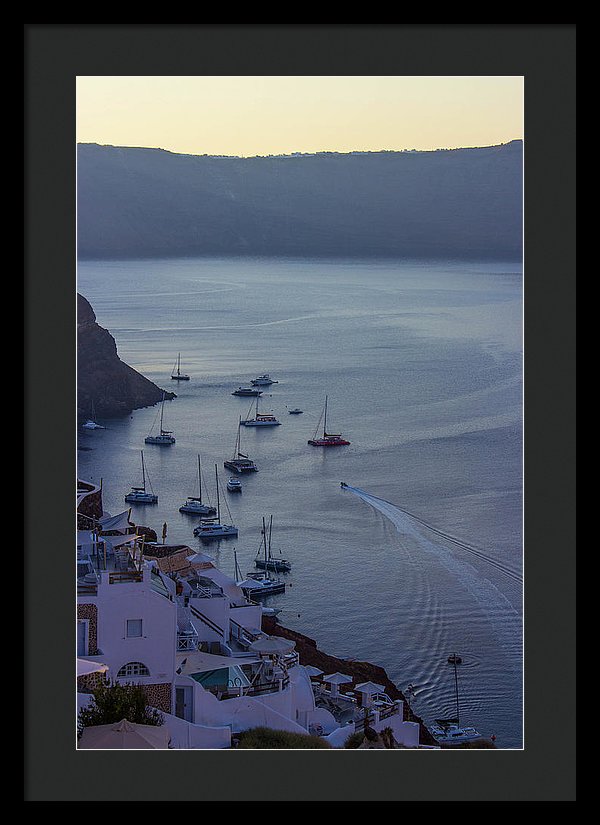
(102, 378)
(460, 203)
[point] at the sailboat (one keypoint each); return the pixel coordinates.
(447, 731)
(327, 439)
(164, 437)
(256, 585)
(260, 419)
(212, 528)
(194, 504)
(139, 495)
(270, 562)
(91, 424)
(239, 462)
(179, 376)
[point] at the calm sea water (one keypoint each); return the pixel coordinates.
(422, 364)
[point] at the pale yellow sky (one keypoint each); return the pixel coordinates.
(247, 115)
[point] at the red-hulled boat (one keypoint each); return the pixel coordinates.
(327, 439)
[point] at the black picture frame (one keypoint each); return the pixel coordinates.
(54, 55)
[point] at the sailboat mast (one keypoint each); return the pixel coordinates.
(325, 420)
(270, 531)
(265, 540)
(178, 362)
(162, 407)
(143, 473)
(456, 689)
(218, 500)
(199, 481)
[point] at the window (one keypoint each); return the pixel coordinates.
(133, 669)
(82, 638)
(134, 628)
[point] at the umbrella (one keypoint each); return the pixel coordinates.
(84, 666)
(272, 645)
(124, 735)
(335, 680)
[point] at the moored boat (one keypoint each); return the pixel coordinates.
(268, 561)
(164, 437)
(327, 439)
(211, 528)
(240, 462)
(260, 419)
(263, 381)
(194, 505)
(139, 495)
(234, 485)
(247, 391)
(449, 731)
(177, 375)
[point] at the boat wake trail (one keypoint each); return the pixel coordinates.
(402, 520)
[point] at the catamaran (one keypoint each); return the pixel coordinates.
(448, 731)
(260, 419)
(239, 463)
(139, 495)
(91, 424)
(164, 437)
(178, 375)
(327, 439)
(269, 561)
(194, 504)
(256, 585)
(209, 529)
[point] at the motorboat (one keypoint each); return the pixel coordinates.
(194, 505)
(164, 437)
(234, 485)
(327, 439)
(140, 495)
(263, 381)
(295, 411)
(247, 391)
(260, 419)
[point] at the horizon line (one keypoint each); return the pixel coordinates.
(298, 153)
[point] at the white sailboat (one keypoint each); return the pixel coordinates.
(194, 504)
(164, 437)
(139, 495)
(260, 419)
(212, 528)
(256, 585)
(449, 731)
(177, 375)
(91, 424)
(239, 462)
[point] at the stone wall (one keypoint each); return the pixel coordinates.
(90, 612)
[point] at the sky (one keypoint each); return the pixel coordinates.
(272, 115)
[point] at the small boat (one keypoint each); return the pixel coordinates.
(139, 495)
(256, 585)
(194, 504)
(263, 381)
(260, 419)
(239, 462)
(448, 731)
(164, 437)
(327, 439)
(91, 424)
(247, 391)
(269, 561)
(234, 485)
(454, 658)
(211, 528)
(177, 375)
(295, 411)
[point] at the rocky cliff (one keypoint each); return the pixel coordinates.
(460, 203)
(102, 378)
